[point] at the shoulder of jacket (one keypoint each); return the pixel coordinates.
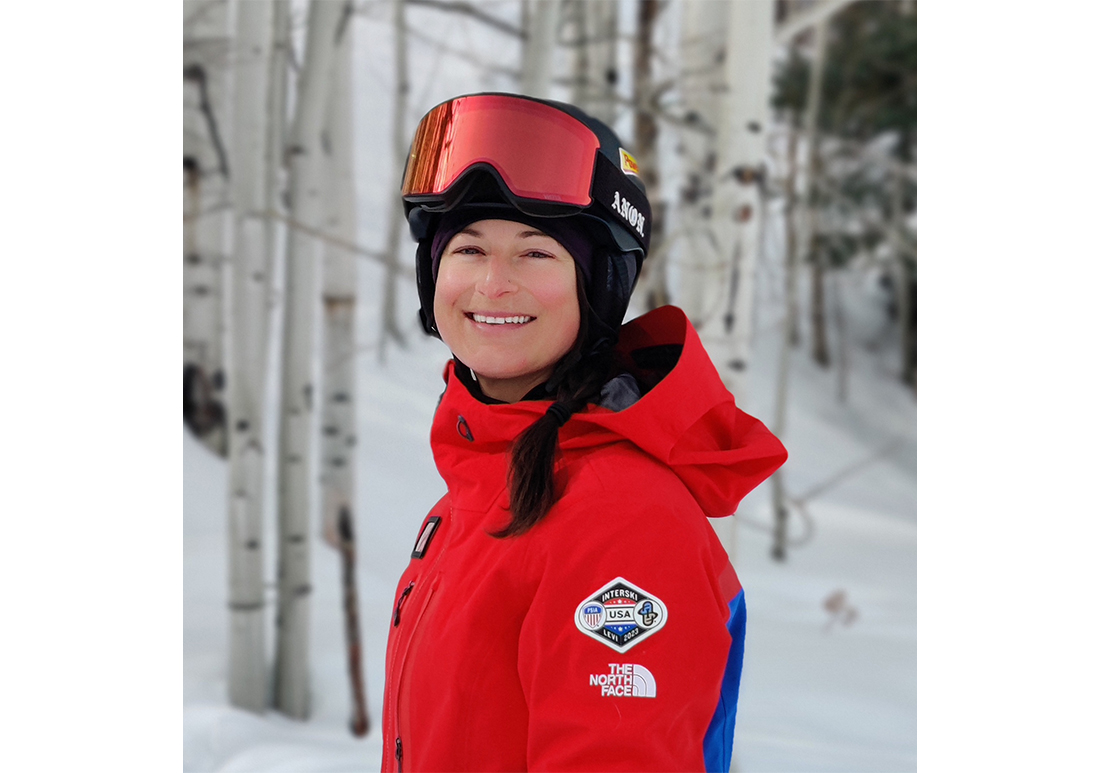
(615, 489)
(622, 469)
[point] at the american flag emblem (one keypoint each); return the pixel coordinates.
(593, 616)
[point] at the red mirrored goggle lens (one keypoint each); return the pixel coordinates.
(539, 152)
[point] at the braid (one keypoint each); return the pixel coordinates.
(579, 379)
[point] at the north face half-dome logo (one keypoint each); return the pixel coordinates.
(620, 614)
(625, 680)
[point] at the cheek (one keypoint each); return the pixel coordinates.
(447, 292)
(567, 314)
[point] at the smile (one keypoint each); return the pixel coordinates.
(513, 320)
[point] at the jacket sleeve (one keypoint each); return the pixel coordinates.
(630, 654)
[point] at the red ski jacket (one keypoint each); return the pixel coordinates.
(609, 636)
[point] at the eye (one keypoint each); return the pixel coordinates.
(538, 254)
(466, 249)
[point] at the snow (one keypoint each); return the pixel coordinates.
(815, 696)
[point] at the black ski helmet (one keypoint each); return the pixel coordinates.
(602, 193)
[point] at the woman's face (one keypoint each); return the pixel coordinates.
(506, 304)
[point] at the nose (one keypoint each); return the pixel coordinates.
(497, 278)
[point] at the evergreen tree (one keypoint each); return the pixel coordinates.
(868, 121)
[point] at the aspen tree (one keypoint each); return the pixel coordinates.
(339, 301)
(742, 115)
(247, 370)
(652, 283)
(338, 427)
(816, 255)
(399, 146)
(787, 341)
(275, 146)
(295, 464)
(595, 57)
(738, 211)
(536, 67)
(701, 263)
(206, 224)
(804, 214)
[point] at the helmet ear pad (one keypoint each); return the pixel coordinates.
(614, 274)
(425, 287)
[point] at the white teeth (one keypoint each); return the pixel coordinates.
(501, 320)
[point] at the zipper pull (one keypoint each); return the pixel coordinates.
(399, 755)
(397, 611)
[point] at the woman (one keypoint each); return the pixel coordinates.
(567, 605)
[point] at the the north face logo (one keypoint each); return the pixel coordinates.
(625, 680)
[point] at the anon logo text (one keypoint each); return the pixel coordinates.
(629, 213)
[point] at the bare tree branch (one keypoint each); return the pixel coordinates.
(201, 10)
(345, 16)
(465, 55)
(846, 472)
(471, 10)
(196, 72)
(376, 255)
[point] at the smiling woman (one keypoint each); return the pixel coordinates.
(506, 304)
(568, 585)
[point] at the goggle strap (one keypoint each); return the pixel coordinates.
(621, 198)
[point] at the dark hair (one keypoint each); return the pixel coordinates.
(577, 380)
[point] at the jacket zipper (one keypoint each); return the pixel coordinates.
(399, 752)
(401, 602)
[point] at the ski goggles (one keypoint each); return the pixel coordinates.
(548, 161)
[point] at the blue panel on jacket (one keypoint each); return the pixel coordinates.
(718, 742)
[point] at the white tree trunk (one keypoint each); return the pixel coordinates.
(738, 202)
(339, 300)
(338, 434)
(536, 69)
(274, 160)
(595, 57)
(903, 283)
(652, 289)
(811, 218)
(702, 265)
(787, 341)
(740, 164)
(206, 218)
(247, 370)
(298, 381)
(399, 148)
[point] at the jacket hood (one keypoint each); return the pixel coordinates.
(688, 421)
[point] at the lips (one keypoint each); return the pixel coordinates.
(499, 319)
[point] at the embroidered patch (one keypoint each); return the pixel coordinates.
(425, 537)
(620, 614)
(625, 680)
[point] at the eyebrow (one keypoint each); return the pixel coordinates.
(522, 234)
